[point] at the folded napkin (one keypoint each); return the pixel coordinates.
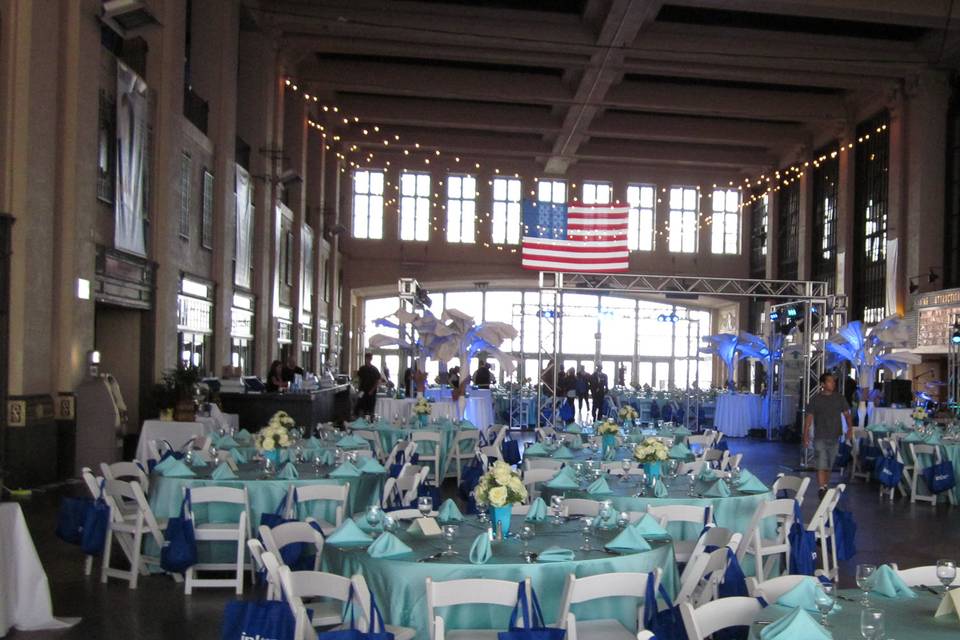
(176, 469)
(164, 464)
(197, 461)
(359, 423)
(311, 443)
(576, 444)
(351, 441)
(227, 442)
(660, 490)
(804, 595)
(243, 436)
(449, 512)
(796, 625)
(599, 487)
(650, 528)
(371, 465)
(480, 550)
(914, 437)
(680, 451)
(610, 522)
(537, 511)
(879, 428)
(326, 456)
(345, 470)
(555, 554)
(885, 581)
(681, 431)
(238, 456)
(388, 545)
(223, 472)
(562, 454)
(288, 472)
(572, 428)
(348, 534)
(749, 483)
(563, 481)
(707, 475)
(718, 489)
(536, 449)
(629, 540)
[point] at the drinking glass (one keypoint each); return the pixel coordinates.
(623, 519)
(735, 475)
(946, 572)
(338, 455)
(691, 478)
(374, 515)
(642, 483)
(606, 510)
(864, 573)
(594, 448)
(556, 504)
(871, 624)
(527, 533)
(389, 523)
(298, 454)
(449, 533)
(825, 596)
(425, 505)
(482, 515)
(587, 530)
(625, 465)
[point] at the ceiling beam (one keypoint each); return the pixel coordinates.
(652, 127)
(675, 154)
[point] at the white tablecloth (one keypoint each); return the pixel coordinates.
(176, 433)
(446, 393)
(738, 413)
(890, 416)
(24, 590)
(478, 410)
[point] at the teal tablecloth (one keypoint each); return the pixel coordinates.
(399, 587)
(904, 618)
(390, 435)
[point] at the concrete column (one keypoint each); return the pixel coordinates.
(773, 226)
(845, 214)
(295, 154)
(898, 184)
(805, 224)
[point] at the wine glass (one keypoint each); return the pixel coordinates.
(735, 475)
(556, 505)
(692, 480)
(389, 523)
(317, 463)
(527, 533)
(374, 516)
(425, 505)
(825, 598)
(625, 464)
(587, 529)
(623, 519)
(871, 624)
(946, 572)
(482, 515)
(606, 510)
(864, 573)
(449, 533)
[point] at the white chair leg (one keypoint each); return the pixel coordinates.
(105, 561)
(188, 581)
(135, 566)
(88, 565)
(241, 546)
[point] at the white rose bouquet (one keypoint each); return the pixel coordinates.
(422, 407)
(608, 428)
(500, 486)
(627, 412)
(276, 434)
(650, 450)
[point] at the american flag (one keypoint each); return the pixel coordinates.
(575, 238)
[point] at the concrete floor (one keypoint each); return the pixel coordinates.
(888, 532)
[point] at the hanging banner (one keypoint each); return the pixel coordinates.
(244, 249)
(132, 114)
(893, 258)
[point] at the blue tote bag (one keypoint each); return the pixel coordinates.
(378, 630)
(96, 523)
(276, 518)
(70, 519)
(179, 551)
(664, 623)
(888, 471)
(533, 627)
(258, 620)
(939, 477)
(803, 546)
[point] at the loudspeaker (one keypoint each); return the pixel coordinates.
(898, 392)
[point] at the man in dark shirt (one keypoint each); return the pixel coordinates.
(824, 412)
(483, 377)
(369, 377)
(290, 369)
(598, 387)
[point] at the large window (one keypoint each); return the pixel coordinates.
(368, 204)
(824, 250)
(642, 199)
(683, 220)
(206, 211)
(725, 235)
(554, 191)
(597, 193)
(788, 221)
(414, 206)
(759, 212)
(461, 208)
(870, 221)
(506, 210)
(185, 195)
(951, 235)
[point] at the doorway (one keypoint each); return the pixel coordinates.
(118, 338)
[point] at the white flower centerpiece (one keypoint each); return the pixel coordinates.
(500, 487)
(275, 436)
(650, 453)
(422, 410)
(627, 414)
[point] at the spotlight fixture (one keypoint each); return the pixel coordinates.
(774, 315)
(792, 312)
(955, 335)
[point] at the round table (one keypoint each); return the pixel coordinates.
(176, 433)
(398, 584)
(478, 409)
(903, 617)
(890, 416)
(737, 413)
(391, 434)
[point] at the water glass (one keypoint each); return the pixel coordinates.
(692, 480)
(449, 534)
(625, 465)
(374, 515)
(587, 530)
(871, 624)
(425, 505)
(527, 533)
(389, 523)
(864, 573)
(946, 573)
(623, 519)
(556, 504)
(606, 510)
(825, 596)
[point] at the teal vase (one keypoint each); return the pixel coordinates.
(273, 456)
(609, 442)
(652, 469)
(501, 516)
(423, 419)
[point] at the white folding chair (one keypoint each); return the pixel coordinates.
(923, 577)
(604, 585)
(765, 551)
(532, 476)
(704, 621)
(795, 486)
(334, 495)
(581, 507)
(311, 586)
(129, 531)
(373, 439)
(891, 447)
(542, 463)
(256, 549)
(857, 469)
(732, 462)
(463, 450)
(236, 531)
(127, 471)
(702, 576)
(915, 472)
(429, 441)
(771, 590)
(394, 454)
(822, 525)
(694, 467)
(361, 599)
(713, 536)
(492, 450)
(545, 433)
(451, 593)
(695, 515)
(704, 442)
(281, 535)
(271, 565)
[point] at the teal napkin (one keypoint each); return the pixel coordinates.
(804, 595)
(162, 466)
(198, 462)
(537, 511)
(599, 487)
(359, 423)
(536, 449)
(326, 456)
(650, 528)
(630, 540)
(796, 625)
(348, 534)
(238, 456)
(351, 442)
(681, 431)
(879, 428)
(177, 469)
(930, 438)
(311, 443)
(449, 512)
(366, 527)
(611, 520)
(345, 470)
(480, 550)
(749, 483)
(572, 428)
(227, 442)
(223, 472)
(660, 490)
(243, 436)
(680, 451)
(707, 475)
(562, 453)
(562, 481)
(575, 444)
(387, 545)
(555, 554)
(288, 472)
(719, 489)
(370, 465)
(887, 582)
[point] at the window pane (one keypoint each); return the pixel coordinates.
(544, 192)
(361, 182)
(513, 192)
(376, 183)
(453, 186)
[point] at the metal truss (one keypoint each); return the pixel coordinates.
(796, 290)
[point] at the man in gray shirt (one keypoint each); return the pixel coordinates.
(825, 410)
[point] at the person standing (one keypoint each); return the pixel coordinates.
(599, 387)
(369, 377)
(583, 390)
(823, 428)
(275, 381)
(483, 377)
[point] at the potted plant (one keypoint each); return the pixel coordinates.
(165, 399)
(183, 381)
